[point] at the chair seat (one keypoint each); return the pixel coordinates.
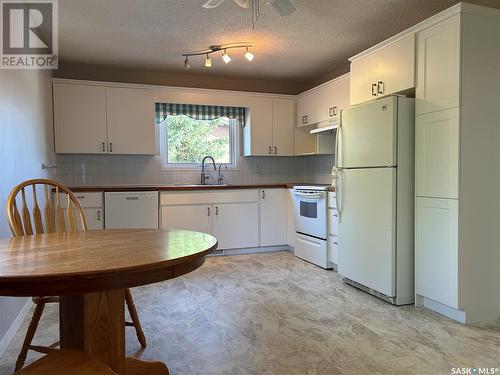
(64, 362)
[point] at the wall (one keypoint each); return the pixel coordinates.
(164, 78)
(133, 169)
(25, 142)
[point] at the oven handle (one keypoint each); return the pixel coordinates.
(315, 196)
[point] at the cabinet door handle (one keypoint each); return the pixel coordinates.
(208, 211)
(103, 146)
(216, 210)
(374, 89)
(263, 194)
(275, 150)
(270, 150)
(98, 215)
(110, 146)
(380, 87)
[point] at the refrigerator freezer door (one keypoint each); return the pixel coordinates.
(368, 135)
(367, 230)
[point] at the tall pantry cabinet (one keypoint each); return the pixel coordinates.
(457, 168)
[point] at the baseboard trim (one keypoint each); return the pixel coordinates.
(251, 250)
(450, 312)
(14, 327)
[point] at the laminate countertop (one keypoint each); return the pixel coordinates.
(113, 188)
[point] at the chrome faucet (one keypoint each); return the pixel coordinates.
(220, 177)
(204, 176)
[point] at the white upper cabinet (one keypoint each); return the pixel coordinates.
(95, 119)
(364, 75)
(273, 229)
(323, 102)
(307, 113)
(388, 70)
(438, 76)
(131, 126)
(269, 127)
(80, 119)
(437, 154)
(283, 126)
(258, 131)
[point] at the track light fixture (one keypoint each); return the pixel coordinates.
(216, 48)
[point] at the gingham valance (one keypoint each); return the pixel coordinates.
(198, 112)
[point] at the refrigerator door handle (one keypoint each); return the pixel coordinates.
(338, 144)
(338, 171)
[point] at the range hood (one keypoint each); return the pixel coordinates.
(326, 125)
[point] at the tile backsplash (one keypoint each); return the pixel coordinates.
(77, 169)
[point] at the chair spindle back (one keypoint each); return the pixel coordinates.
(21, 223)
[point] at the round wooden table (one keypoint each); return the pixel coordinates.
(90, 271)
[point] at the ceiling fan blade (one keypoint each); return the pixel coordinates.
(283, 7)
(210, 4)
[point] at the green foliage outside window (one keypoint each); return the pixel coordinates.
(190, 140)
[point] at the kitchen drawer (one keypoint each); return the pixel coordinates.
(332, 203)
(87, 200)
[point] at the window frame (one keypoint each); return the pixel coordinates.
(234, 150)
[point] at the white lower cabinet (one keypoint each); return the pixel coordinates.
(93, 209)
(333, 230)
(273, 229)
(94, 218)
(290, 218)
(196, 217)
(236, 225)
(436, 251)
(231, 216)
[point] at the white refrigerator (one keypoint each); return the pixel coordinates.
(375, 198)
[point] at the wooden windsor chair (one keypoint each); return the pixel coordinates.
(20, 224)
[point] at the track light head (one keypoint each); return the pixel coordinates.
(208, 62)
(226, 57)
(249, 55)
(187, 65)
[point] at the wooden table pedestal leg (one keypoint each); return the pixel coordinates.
(95, 324)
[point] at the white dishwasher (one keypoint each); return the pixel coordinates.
(131, 210)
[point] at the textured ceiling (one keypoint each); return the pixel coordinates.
(152, 34)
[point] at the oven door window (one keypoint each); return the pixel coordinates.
(309, 209)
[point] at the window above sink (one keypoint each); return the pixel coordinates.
(187, 136)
